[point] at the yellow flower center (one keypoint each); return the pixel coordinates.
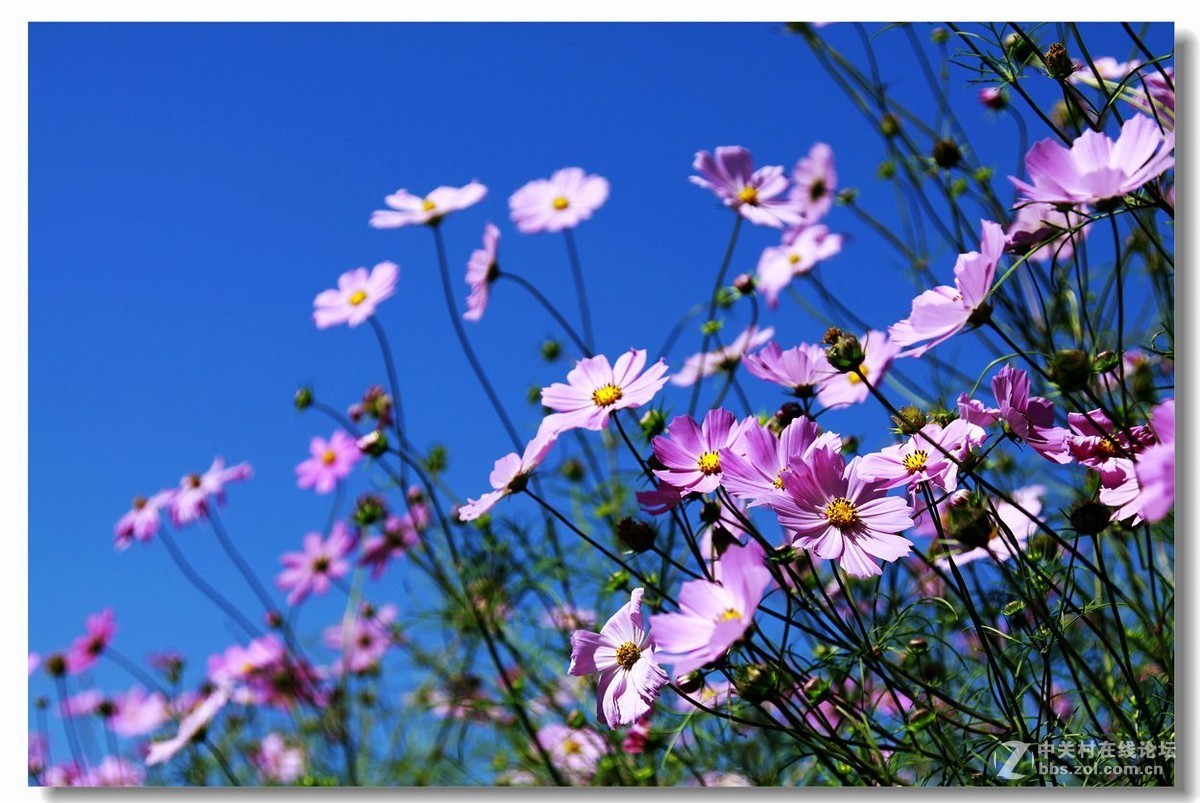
(778, 481)
(358, 297)
(854, 378)
(729, 614)
(916, 461)
(841, 513)
(748, 195)
(428, 205)
(606, 395)
(560, 203)
(793, 258)
(194, 480)
(709, 463)
(628, 655)
(1108, 446)
(571, 747)
(329, 457)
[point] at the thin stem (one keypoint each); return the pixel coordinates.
(204, 588)
(550, 308)
(585, 314)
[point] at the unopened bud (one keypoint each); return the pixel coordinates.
(551, 349)
(374, 443)
(572, 469)
(844, 352)
(635, 535)
(946, 153)
(1105, 361)
(889, 125)
(1058, 62)
(1089, 517)
(1071, 369)
(369, 509)
(910, 420)
(653, 422)
(303, 398)
(744, 284)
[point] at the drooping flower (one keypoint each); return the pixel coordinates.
(920, 460)
(331, 460)
(509, 475)
(940, 313)
(313, 570)
(725, 358)
(276, 762)
(799, 369)
(757, 475)
(801, 249)
(1156, 466)
(201, 715)
(691, 453)
(407, 209)
(841, 390)
(838, 515)
(363, 639)
(574, 751)
(1031, 418)
(814, 181)
(138, 712)
(1046, 233)
(712, 617)
(622, 654)
(562, 201)
(594, 390)
(1096, 169)
(190, 501)
(85, 650)
(482, 270)
(143, 519)
(755, 194)
(357, 295)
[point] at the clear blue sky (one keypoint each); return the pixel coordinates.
(192, 187)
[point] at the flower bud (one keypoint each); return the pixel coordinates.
(1019, 48)
(909, 420)
(722, 539)
(710, 513)
(1089, 517)
(303, 398)
(850, 444)
(374, 443)
(1071, 369)
(1105, 361)
(756, 682)
(744, 284)
(946, 153)
(690, 683)
(847, 196)
(551, 350)
(918, 646)
(56, 665)
(273, 619)
(576, 719)
(437, 459)
(653, 422)
(886, 170)
(843, 351)
(1058, 62)
(572, 469)
(635, 535)
(369, 509)
(968, 523)
(786, 414)
(993, 97)
(941, 416)
(940, 36)
(889, 125)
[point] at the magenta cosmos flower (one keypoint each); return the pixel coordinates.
(712, 617)
(595, 390)
(838, 515)
(1031, 418)
(356, 296)
(137, 712)
(801, 249)
(143, 519)
(482, 270)
(413, 210)
(841, 390)
(1155, 467)
(754, 194)
(1096, 169)
(757, 475)
(190, 501)
(799, 369)
(630, 677)
(562, 201)
(1044, 232)
(814, 181)
(509, 475)
(276, 762)
(313, 570)
(920, 460)
(691, 453)
(1096, 443)
(574, 751)
(725, 358)
(940, 313)
(363, 639)
(85, 650)
(331, 460)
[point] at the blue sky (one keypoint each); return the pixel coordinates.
(192, 187)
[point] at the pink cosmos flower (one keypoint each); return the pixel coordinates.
(940, 313)
(114, 771)
(842, 390)
(190, 501)
(413, 210)
(595, 390)
(331, 460)
(563, 201)
(363, 639)
(838, 515)
(919, 460)
(757, 475)
(1156, 466)
(755, 194)
(664, 497)
(1013, 525)
(1119, 489)
(1044, 232)
(1031, 418)
(725, 358)
(85, 650)
(568, 617)
(143, 519)
(574, 751)
(189, 726)
(799, 369)
(1095, 169)
(357, 295)
(482, 270)
(691, 452)
(314, 570)
(62, 775)
(509, 475)
(400, 534)
(239, 664)
(276, 762)
(35, 660)
(712, 617)
(802, 248)
(814, 181)
(630, 677)
(1096, 443)
(137, 712)
(81, 704)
